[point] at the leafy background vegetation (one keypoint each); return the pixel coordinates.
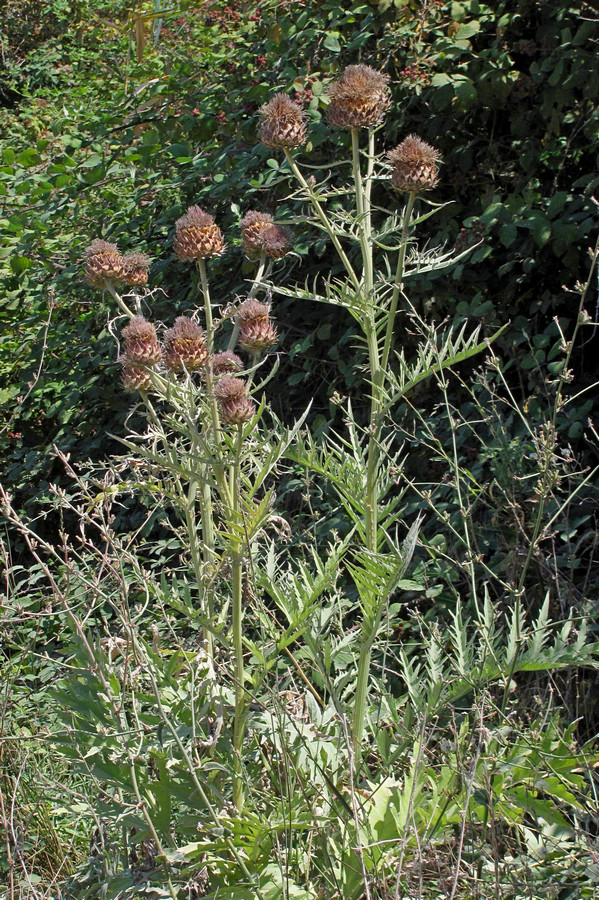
(116, 116)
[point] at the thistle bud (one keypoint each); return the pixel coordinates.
(226, 363)
(257, 332)
(103, 264)
(235, 407)
(135, 377)
(135, 269)
(197, 236)
(185, 346)
(414, 165)
(359, 98)
(141, 343)
(283, 123)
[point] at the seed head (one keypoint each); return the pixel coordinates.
(226, 363)
(414, 165)
(185, 346)
(262, 236)
(135, 377)
(234, 405)
(250, 310)
(276, 242)
(141, 343)
(359, 98)
(283, 123)
(230, 390)
(135, 269)
(253, 225)
(197, 236)
(103, 264)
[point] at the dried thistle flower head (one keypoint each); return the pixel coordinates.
(197, 236)
(141, 343)
(135, 269)
(276, 241)
(135, 377)
(257, 332)
(252, 309)
(283, 123)
(258, 335)
(185, 346)
(226, 363)
(103, 264)
(359, 98)
(414, 165)
(235, 407)
(253, 226)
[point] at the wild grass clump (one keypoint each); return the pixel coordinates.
(251, 721)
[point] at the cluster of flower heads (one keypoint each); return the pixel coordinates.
(105, 264)
(185, 349)
(198, 237)
(142, 350)
(359, 98)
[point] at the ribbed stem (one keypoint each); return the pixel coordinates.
(401, 258)
(206, 506)
(119, 300)
(363, 209)
(237, 588)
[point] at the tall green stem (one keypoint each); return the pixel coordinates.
(206, 506)
(119, 300)
(237, 588)
(363, 209)
(401, 258)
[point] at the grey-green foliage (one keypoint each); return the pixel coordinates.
(480, 651)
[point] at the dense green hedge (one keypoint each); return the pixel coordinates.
(101, 144)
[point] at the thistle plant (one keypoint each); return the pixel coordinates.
(198, 396)
(193, 727)
(201, 417)
(357, 103)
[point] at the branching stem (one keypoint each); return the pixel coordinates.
(324, 220)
